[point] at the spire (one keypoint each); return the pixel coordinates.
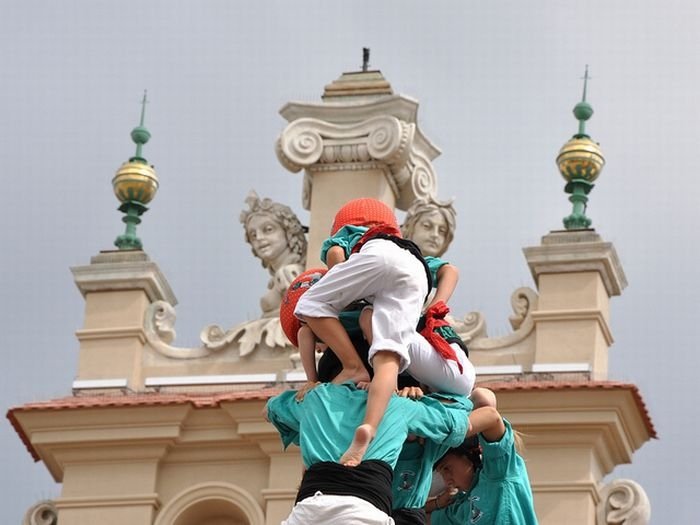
(140, 135)
(580, 161)
(583, 110)
(135, 185)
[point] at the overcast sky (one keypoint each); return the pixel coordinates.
(496, 82)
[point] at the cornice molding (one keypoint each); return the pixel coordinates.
(570, 252)
(582, 314)
(125, 500)
(128, 270)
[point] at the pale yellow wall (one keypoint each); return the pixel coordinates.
(332, 189)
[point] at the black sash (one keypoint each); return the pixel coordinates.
(370, 481)
(408, 516)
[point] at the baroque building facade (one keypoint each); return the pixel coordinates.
(156, 434)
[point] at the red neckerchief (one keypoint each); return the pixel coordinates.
(372, 232)
(435, 318)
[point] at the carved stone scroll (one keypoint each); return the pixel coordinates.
(159, 327)
(472, 328)
(385, 141)
(42, 513)
(623, 502)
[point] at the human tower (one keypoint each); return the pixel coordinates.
(392, 399)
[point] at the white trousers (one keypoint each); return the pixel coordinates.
(390, 278)
(441, 375)
(323, 509)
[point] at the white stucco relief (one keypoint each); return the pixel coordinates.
(278, 240)
(472, 327)
(383, 142)
(623, 502)
(42, 513)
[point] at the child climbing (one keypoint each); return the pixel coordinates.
(368, 259)
(438, 357)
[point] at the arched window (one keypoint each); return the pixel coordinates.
(213, 503)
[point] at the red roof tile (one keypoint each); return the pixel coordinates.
(504, 386)
(213, 400)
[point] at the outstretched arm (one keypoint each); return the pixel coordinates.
(306, 341)
(447, 277)
(488, 422)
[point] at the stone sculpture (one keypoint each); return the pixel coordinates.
(277, 238)
(431, 225)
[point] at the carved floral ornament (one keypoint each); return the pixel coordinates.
(379, 142)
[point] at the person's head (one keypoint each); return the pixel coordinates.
(274, 232)
(364, 212)
(431, 225)
(298, 287)
(460, 464)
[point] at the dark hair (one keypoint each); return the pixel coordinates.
(470, 449)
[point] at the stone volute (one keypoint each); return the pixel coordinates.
(362, 140)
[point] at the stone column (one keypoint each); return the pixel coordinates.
(576, 275)
(285, 471)
(362, 141)
(118, 286)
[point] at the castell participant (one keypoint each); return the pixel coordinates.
(381, 267)
(301, 336)
(491, 477)
(413, 473)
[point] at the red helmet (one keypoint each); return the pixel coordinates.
(290, 323)
(364, 212)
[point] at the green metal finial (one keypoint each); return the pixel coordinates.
(583, 110)
(135, 185)
(580, 161)
(140, 135)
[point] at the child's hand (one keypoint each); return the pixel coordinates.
(321, 347)
(412, 392)
(308, 386)
(363, 385)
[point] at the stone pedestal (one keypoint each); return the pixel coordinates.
(118, 287)
(362, 141)
(576, 274)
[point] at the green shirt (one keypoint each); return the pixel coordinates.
(413, 473)
(501, 493)
(434, 264)
(346, 237)
(324, 423)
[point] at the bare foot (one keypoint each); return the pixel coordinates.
(354, 375)
(356, 451)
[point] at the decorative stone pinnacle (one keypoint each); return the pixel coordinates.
(135, 185)
(580, 161)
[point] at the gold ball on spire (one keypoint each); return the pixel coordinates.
(135, 181)
(580, 158)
